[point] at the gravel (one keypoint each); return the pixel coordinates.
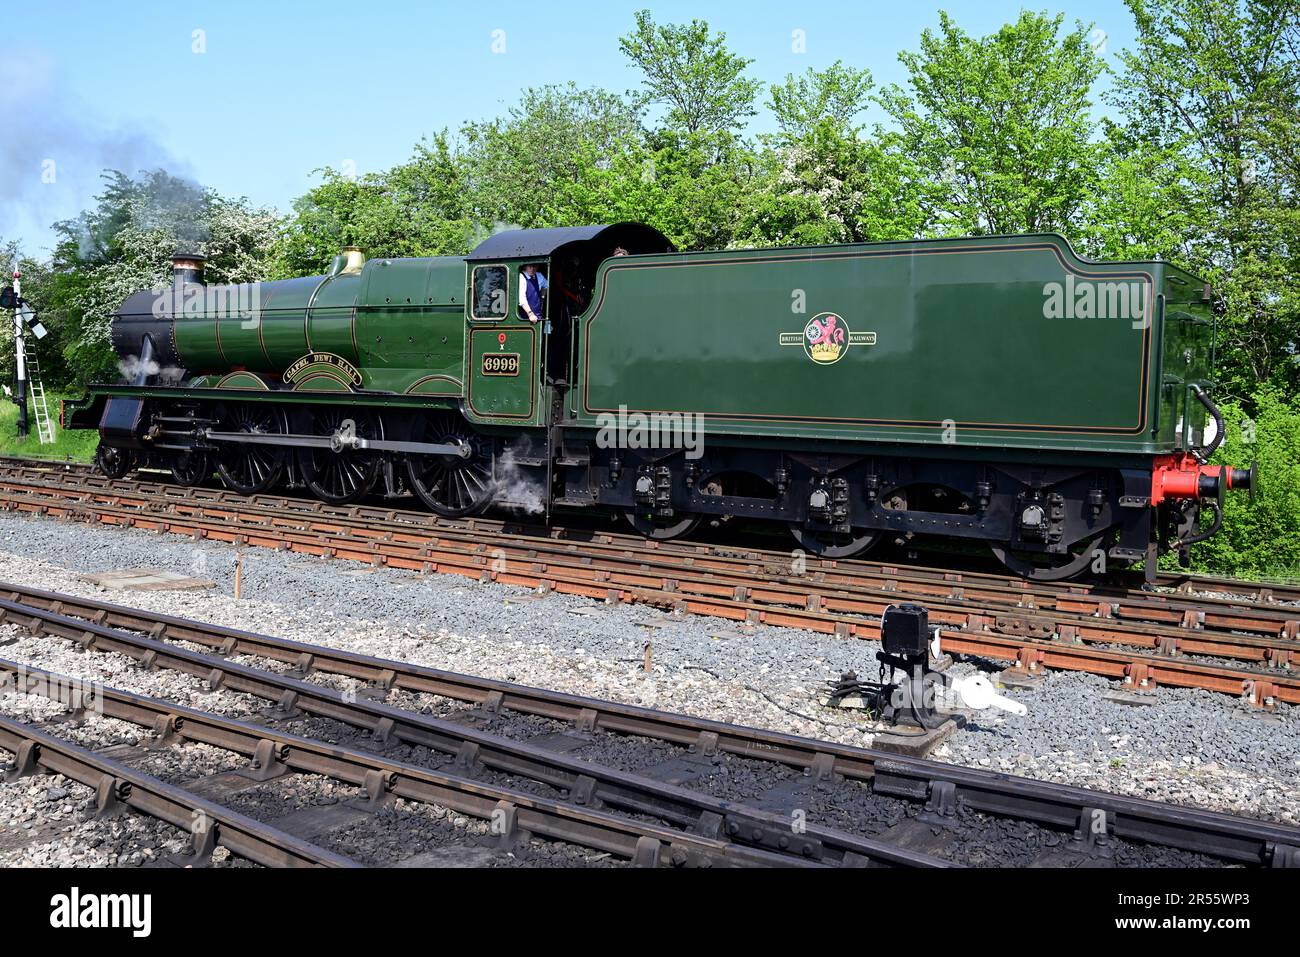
(1189, 747)
(48, 821)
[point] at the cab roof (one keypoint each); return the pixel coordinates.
(543, 243)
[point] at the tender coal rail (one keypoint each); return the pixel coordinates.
(966, 800)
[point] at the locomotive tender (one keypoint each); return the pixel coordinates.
(999, 389)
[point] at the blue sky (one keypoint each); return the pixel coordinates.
(284, 88)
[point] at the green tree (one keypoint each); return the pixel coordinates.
(827, 185)
(1260, 538)
(1004, 123)
(689, 70)
(533, 167)
(690, 186)
(1215, 86)
(417, 208)
(125, 244)
(839, 94)
(1145, 204)
(822, 180)
(566, 156)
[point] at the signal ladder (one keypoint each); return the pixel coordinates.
(40, 409)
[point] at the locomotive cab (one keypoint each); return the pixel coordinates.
(512, 362)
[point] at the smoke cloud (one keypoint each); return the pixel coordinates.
(130, 367)
(481, 231)
(55, 150)
(159, 202)
(515, 490)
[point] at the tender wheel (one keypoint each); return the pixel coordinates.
(114, 462)
(452, 486)
(827, 544)
(191, 468)
(653, 527)
(250, 469)
(348, 474)
(1049, 568)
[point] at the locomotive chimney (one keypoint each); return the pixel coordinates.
(353, 260)
(187, 269)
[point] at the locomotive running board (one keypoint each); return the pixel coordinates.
(336, 443)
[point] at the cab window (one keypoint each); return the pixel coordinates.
(490, 292)
(543, 290)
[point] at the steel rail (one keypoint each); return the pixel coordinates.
(1069, 649)
(1045, 803)
(1264, 590)
(1093, 624)
(1267, 636)
(588, 714)
(675, 806)
(116, 785)
(274, 752)
(1138, 603)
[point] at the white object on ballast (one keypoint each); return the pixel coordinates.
(976, 692)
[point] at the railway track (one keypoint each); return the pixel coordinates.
(468, 749)
(517, 816)
(1243, 645)
(117, 786)
(1237, 592)
(889, 810)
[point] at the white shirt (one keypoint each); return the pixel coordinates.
(523, 289)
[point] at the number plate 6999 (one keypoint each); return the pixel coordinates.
(501, 363)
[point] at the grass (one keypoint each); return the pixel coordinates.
(78, 445)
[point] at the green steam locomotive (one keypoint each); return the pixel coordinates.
(999, 390)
